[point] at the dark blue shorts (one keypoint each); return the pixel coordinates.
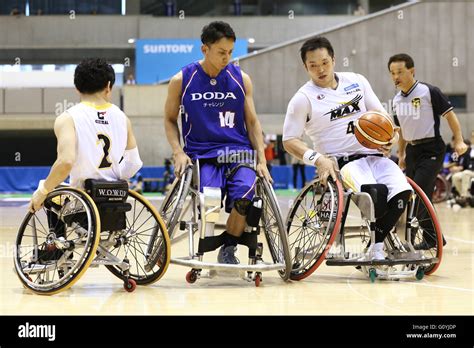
(238, 186)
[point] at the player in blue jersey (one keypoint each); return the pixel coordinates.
(215, 101)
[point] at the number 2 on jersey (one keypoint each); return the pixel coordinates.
(104, 163)
(227, 119)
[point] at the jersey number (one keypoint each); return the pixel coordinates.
(350, 128)
(104, 163)
(227, 119)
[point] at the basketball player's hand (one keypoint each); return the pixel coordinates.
(387, 149)
(326, 167)
(263, 172)
(401, 162)
(181, 161)
(37, 201)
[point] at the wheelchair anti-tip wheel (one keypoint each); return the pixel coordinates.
(56, 244)
(312, 225)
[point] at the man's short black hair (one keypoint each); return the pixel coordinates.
(215, 31)
(402, 57)
(315, 43)
(92, 75)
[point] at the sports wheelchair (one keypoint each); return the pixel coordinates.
(318, 230)
(105, 224)
(186, 211)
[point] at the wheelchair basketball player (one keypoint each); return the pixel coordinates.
(326, 108)
(215, 101)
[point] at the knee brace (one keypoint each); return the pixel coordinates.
(242, 205)
(254, 212)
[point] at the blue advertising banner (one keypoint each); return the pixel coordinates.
(158, 60)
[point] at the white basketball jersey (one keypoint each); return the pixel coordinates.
(331, 114)
(101, 139)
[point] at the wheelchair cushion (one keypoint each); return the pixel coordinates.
(107, 191)
(379, 194)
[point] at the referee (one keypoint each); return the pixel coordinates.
(418, 108)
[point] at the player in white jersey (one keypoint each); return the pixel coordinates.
(326, 108)
(95, 138)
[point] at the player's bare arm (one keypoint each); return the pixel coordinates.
(66, 136)
(172, 105)
(254, 128)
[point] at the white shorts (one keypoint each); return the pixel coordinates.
(375, 170)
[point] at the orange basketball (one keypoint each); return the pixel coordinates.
(373, 129)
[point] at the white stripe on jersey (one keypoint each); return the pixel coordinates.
(98, 130)
(327, 115)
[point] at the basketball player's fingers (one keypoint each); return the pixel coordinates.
(324, 177)
(30, 207)
(267, 176)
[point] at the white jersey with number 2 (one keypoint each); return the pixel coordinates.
(101, 139)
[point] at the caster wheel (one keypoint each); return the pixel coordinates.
(130, 285)
(258, 280)
(372, 275)
(191, 277)
(420, 273)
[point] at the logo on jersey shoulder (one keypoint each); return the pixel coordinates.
(416, 102)
(345, 109)
(320, 96)
(213, 96)
(101, 117)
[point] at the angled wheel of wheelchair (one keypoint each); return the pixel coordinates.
(312, 225)
(56, 244)
(272, 224)
(145, 231)
(176, 205)
(420, 225)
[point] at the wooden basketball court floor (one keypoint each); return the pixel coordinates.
(329, 291)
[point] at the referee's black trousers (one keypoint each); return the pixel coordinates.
(424, 162)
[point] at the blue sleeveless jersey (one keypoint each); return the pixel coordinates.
(212, 112)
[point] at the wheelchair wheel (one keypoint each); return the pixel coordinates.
(272, 224)
(442, 189)
(176, 205)
(145, 231)
(56, 244)
(420, 225)
(312, 225)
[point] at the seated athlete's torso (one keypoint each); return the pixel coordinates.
(333, 113)
(101, 139)
(213, 117)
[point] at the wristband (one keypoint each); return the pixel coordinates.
(310, 157)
